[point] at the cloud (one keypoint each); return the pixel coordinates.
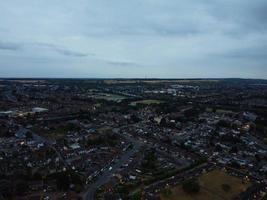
(9, 46)
(163, 38)
(240, 17)
(61, 50)
(252, 53)
(123, 63)
(71, 53)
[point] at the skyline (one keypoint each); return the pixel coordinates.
(136, 39)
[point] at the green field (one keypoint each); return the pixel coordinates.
(109, 97)
(223, 111)
(210, 188)
(146, 102)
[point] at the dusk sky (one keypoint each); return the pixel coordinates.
(133, 38)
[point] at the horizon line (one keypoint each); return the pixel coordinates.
(133, 78)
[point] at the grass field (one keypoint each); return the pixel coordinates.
(146, 102)
(223, 111)
(109, 97)
(210, 188)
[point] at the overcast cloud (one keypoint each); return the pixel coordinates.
(134, 38)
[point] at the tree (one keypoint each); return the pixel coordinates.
(135, 119)
(21, 187)
(191, 186)
(122, 189)
(167, 191)
(234, 164)
(136, 196)
(5, 188)
(226, 187)
(29, 134)
(224, 123)
(149, 161)
(63, 181)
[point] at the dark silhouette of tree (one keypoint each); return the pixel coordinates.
(63, 181)
(5, 188)
(191, 186)
(226, 187)
(149, 161)
(21, 187)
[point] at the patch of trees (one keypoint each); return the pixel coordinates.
(167, 108)
(78, 180)
(110, 139)
(134, 119)
(66, 178)
(261, 126)
(4, 131)
(122, 189)
(21, 187)
(168, 124)
(167, 191)
(62, 180)
(224, 123)
(235, 165)
(5, 188)
(230, 138)
(85, 115)
(149, 161)
(226, 187)
(136, 196)
(69, 127)
(193, 112)
(191, 186)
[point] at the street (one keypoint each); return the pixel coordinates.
(107, 174)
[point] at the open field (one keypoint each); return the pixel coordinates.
(146, 102)
(210, 188)
(109, 97)
(221, 111)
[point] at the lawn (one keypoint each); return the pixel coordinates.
(210, 188)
